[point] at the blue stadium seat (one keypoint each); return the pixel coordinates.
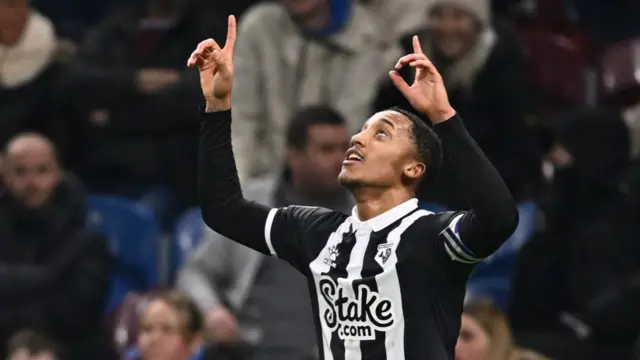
(187, 235)
(433, 207)
(492, 277)
(133, 232)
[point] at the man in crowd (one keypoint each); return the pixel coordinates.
(54, 275)
(579, 300)
(132, 98)
(294, 53)
(249, 297)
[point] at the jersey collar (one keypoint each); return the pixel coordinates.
(387, 218)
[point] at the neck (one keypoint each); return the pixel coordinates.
(372, 202)
(316, 19)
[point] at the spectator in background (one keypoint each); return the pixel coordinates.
(132, 95)
(485, 335)
(73, 18)
(28, 345)
(236, 8)
(483, 67)
(237, 288)
(295, 53)
(170, 328)
(54, 275)
(398, 17)
(572, 296)
(30, 55)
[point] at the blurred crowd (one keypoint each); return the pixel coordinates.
(103, 254)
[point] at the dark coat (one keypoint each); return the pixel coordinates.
(54, 274)
(149, 139)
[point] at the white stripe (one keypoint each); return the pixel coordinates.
(352, 349)
(455, 250)
(318, 267)
(389, 287)
(455, 257)
(267, 230)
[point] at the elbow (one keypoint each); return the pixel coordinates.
(502, 221)
(508, 221)
(214, 219)
(221, 219)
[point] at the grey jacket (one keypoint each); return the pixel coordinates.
(278, 71)
(221, 268)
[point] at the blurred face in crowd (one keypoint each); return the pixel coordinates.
(473, 341)
(304, 10)
(383, 154)
(164, 334)
(166, 7)
(31, 170)
(23, 354)
(319, 163)
(13, 18)
(560, 157)
(453, 30)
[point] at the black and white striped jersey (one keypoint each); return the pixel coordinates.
(391, 287)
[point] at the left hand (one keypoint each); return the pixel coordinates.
(427, 94)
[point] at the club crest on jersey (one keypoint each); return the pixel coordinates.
(333, 255)
(384, 253)
(355, 316)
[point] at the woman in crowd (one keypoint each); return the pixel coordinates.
(485, 335)
(170, 329)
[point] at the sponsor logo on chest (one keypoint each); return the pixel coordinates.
(355, 315)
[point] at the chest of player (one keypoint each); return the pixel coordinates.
(358, 283)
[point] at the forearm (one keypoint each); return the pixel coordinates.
(493, 215)
(224, 208)
(198, 287)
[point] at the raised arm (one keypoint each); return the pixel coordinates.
(472, 235)
(277, 232)
(493, 216)
(224, 209)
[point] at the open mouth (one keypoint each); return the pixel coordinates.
(353, 156)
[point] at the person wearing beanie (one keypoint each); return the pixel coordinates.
(483, 67)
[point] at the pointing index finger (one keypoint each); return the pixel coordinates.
(416, 45)
(231, 33)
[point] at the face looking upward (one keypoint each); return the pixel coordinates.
(383, 154)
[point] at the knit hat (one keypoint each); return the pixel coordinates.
(478, 8)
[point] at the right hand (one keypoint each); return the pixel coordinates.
(216, 68)
(222, 325)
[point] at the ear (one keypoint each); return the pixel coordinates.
(415, 170)
(294, 157)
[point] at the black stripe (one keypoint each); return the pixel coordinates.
(340, 271)
(370, 268)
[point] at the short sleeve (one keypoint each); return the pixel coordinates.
(457, 243)
(290, 231)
